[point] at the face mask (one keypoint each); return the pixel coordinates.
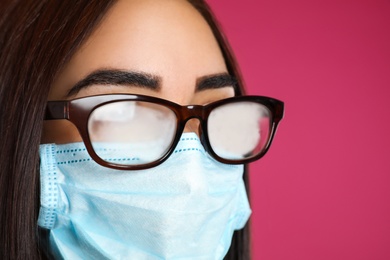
(186, 208)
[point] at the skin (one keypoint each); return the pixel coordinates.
(167, 39)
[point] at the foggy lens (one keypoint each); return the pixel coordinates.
(131, 132)
(239, 130)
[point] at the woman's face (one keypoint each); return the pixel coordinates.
(167, 42)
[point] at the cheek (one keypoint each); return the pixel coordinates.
(59, 132)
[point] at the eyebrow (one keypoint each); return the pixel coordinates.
(145, 80)
(118, 77)
(215, 81)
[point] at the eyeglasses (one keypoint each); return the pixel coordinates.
(145, 130)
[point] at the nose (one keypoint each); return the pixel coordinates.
(193, 125)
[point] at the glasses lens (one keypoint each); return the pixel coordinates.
(131, 132)
(239, 130)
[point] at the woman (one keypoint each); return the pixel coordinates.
(140, 65)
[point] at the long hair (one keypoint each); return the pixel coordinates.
(37, 38)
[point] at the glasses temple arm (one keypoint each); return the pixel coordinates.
(57, 110)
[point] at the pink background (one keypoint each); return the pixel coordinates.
(323, 190)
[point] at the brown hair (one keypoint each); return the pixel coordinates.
(36, 39)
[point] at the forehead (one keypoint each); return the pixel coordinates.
(168, 38)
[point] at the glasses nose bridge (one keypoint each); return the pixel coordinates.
(191, 112)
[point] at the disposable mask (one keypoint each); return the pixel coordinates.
(186, 208)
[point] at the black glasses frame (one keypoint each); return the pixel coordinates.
(79, 110)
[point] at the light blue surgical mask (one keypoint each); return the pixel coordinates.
(186, 208)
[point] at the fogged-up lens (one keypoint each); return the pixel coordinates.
(239, 130)
(131, 132)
